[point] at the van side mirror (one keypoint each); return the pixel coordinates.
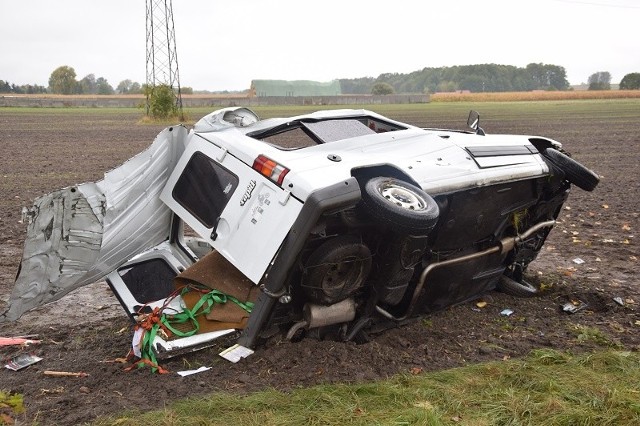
(473, 122)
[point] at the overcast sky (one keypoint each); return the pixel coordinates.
(223, 45)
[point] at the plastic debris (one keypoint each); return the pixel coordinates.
(481, 304)
(235, 353)
(21, 361)
(506, 312)
(574, 306)
(8, 341)
(190, 372)
(619, 301)
(578, 261)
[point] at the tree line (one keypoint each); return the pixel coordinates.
(63, 82)
(473, 78)
(480, 78)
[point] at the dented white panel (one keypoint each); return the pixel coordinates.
(79, 234)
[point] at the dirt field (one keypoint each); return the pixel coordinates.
(46, 149)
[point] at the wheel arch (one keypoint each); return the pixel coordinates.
(363, 174)
(543, 143)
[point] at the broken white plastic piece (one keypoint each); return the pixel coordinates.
(190, 372)
(136, 342)
(235, 353)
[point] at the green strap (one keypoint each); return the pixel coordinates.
(146, 350)
(204, 305)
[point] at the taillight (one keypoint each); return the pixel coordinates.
(269, 168)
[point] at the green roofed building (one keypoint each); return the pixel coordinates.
(262, 88)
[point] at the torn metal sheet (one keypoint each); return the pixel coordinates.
(79, 234)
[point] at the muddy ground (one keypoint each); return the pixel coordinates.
(87, 330)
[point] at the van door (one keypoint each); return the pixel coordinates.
(241, 213)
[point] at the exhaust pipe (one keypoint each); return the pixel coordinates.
(319, 315)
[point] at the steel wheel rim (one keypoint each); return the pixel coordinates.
(402, 197)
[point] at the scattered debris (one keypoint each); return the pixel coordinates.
(235, 353)
(574, 306)
(65, 374)
(59, 389)
(506, 312)
(481, 304)
(190, 372)
(19, 340)
(619, 301)
(578, 261)
(21, 361)
(415, 371)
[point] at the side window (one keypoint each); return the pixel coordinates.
(204, 188)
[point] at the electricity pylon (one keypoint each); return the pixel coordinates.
(162, 56)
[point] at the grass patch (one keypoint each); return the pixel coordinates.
(585, 334)
(546, 388)
(11, 405)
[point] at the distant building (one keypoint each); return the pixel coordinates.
(262, 88)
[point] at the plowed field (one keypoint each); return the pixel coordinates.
(591, 256)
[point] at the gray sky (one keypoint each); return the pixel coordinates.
(224, 45)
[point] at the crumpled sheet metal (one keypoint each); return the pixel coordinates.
(77, 235)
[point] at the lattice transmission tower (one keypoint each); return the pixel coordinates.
(162, 56)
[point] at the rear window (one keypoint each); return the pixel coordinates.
(305, 133)
(204, 188)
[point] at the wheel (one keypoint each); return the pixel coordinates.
(336, 269)
(574, 172)
(514, 288)
(399, 205)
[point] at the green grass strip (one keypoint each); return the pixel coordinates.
(546, 388)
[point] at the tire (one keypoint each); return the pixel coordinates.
(336, 269)
(400, 205)
(574, 172)
(514, 288)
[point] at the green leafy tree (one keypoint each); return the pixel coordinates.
(124, 87)
(128, 87)
(547, 77)
(382, 88)
(162, 101)
(135, 88)
(104, 88)
(63, 81)
(5, 87)
(88, 85)
(630, 81)
(600, 81)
